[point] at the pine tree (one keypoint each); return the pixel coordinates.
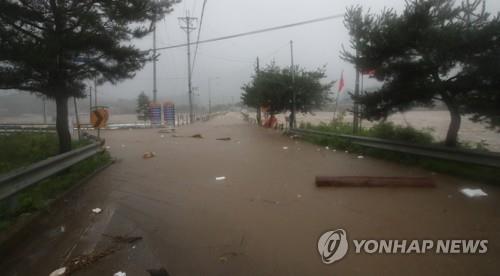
(433, 51)
(142, 107)
(52, 47)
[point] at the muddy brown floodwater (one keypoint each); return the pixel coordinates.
(265, 218)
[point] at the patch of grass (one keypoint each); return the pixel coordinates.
(23, 149)
(39, 196)
(406, 134)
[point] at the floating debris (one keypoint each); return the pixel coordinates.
(285, 148)
(148, 154)
(327, 148)
(361, 157)
(58, 272)
(473, 192)
(120, 273)
(97, 210)
(219, 178)
(123, 239)
(224, 139)
(158, 272)
(197, 136)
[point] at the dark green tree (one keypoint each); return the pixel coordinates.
(142, 107)
(272, 87)
(433, 51)
(52, 47)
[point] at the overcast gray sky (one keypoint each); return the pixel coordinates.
(232, 61)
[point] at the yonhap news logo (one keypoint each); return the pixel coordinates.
(333, 246)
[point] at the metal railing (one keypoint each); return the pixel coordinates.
(20, 179)
(490, 159)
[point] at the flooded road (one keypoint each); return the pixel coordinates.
(265, 218)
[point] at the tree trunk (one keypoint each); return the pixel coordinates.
(454, 127)
(62, 125)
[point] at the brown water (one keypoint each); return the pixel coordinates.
(264, 219)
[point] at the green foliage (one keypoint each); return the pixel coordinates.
(273, 86)
(23, 149)
(433, 51)
(142, 107)
(404, 134)
(38, 197)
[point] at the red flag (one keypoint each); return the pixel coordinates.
(370, 72)
(341, 82)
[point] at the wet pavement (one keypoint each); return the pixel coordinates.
(265, 218)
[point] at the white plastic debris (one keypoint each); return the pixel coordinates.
(473, 192)
(63, 229)
(285, 148)
(120, 273)
(97, 210)
(107, 147)
(58, 272)
(219, 178)
(346, 151)
(361, 157)
(334, 150)
(327, 148)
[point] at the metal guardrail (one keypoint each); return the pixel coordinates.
(18, 180)
(490, 159)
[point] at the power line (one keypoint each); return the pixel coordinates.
(256, 31)
(199, 32)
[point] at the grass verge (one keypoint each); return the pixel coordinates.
(39, 196)
(406, 134)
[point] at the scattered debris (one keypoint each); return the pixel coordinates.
(107, 147)
(299, 196)
(162, 136)
(285, 148)
(327, 148)
(361, 157)
(334, 150)
(158, 272)
(374, 181)
(197, 136)
(123, 239)
(82, 261)
(148, 154)
(63, 229)
(225, 257)
(346, 151)
(58, 272)
(97, 210)
(219, 178)
(164, 131)
(120, 273)
(224, 139)
(473, 192)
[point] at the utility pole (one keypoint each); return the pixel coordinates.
(259, 112)
(90, 98)
(95, 92)
(292, 69)
(355, 123)
(154, 61)
(187, 24)
(44, 110)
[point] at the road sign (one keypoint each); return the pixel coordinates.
(99, 116)
(155, 113)
(169, 113)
